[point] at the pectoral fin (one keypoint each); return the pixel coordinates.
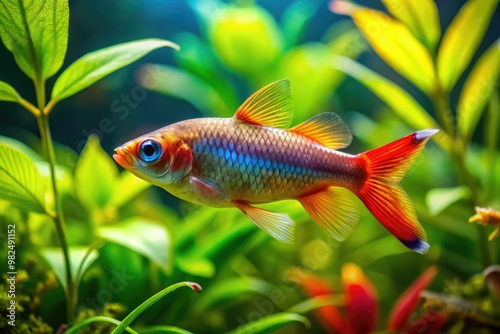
(205, 188)
(334, 210)
(278, 225)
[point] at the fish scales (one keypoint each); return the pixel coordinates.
(262, 164)
(250, 159)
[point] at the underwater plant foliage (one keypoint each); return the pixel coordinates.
(95, 249)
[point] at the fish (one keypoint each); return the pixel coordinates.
(255, 157)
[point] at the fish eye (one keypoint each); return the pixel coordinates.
(150, 150)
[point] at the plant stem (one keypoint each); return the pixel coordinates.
(441, 100)
(43, 125)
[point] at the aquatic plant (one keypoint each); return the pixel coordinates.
(433, 62)
(357, 310)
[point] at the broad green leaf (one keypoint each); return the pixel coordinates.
(95, 175)
(96, 65)
(126, 188)
(438, 199)
(23, 148)
(231, 289)
(462, 38)
(8, 93)
(36, 32)
(402, 103)
(183, 85)
(147, 238)
(477, 89)
(80, 260)
(20, 180)
(394, 43)
(151, 301)
(420, 16)
(270, 323)
(195, 266)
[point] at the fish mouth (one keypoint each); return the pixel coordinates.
(123, 157)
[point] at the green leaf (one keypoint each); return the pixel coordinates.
(183, 85)
(100, 318)
(23, 148)
(439, 199)
(95, 175)
(402, 103)
(147, 238)
(462, 38)
(394, 43)
(196, 266)
(163, 329)
(270, 323)
(231, 289)
(80, 259)
(126, 188)
(8, 93)
(477, 89)
(96, 65)
(151, 301)
(36, 32)
(20, 180)
(420, 16)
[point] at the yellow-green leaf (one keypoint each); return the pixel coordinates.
(20, 181)
(477, 90)
(126, 188)
(80, 259)
(95, 175)
(402, 103)
(420, 16)
(96, 65)
(147, 238)
(462, 38)
(394, 43)
(36, 32)
(8, 93)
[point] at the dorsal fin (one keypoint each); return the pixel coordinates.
(270, 106)
(327, 129)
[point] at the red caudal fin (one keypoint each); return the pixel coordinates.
(383, 195)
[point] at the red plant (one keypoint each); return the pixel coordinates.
(360, 312)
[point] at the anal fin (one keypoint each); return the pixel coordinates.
(334, 210)
(278, 225)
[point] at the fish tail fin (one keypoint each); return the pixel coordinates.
(383, 195)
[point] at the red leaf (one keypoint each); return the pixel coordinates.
(314, 286)
(429, 323)
(361, 300)
(408, 302)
